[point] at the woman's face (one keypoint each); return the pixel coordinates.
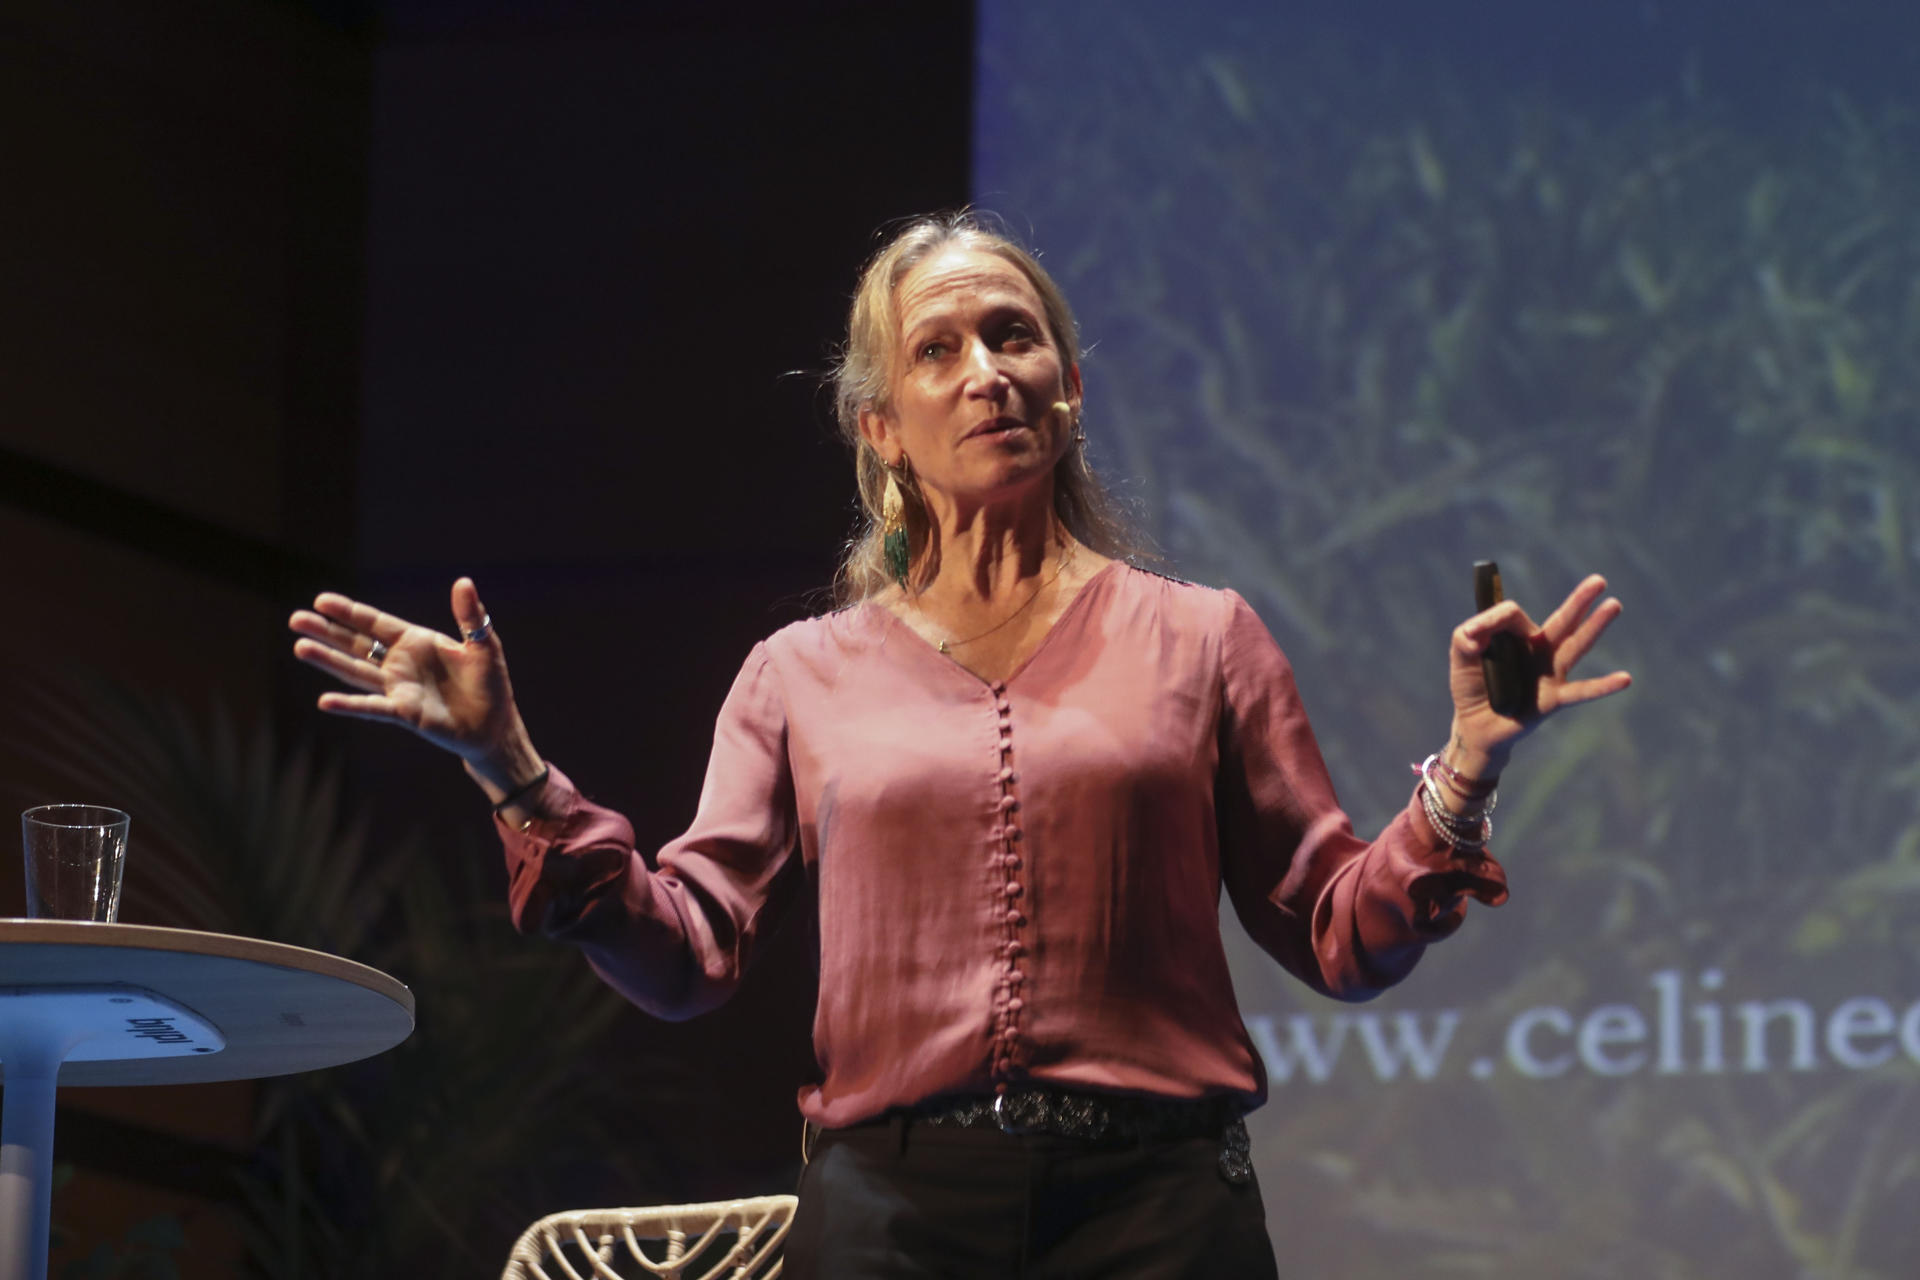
(976, 376)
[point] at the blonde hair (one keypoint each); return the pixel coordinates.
(863, 379)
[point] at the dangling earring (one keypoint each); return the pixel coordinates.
(893, 525)
(1065, 410)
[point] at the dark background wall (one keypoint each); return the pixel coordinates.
(369, 297)
(180, 267)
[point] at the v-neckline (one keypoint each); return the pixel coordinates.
(952, 663)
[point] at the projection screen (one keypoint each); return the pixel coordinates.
(1364, 305)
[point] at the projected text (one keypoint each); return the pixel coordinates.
(1676, 1029)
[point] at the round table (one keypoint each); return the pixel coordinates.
(121, 1004)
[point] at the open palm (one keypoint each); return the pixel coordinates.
(452, 692)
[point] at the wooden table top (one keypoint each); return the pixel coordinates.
(281, 1008)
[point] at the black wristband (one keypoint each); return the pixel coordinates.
(528, 787)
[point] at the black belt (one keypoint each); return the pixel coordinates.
(1058, 1113)
(1061, 1114)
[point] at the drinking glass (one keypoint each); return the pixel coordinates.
(76, 854)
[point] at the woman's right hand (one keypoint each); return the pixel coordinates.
(451, 691)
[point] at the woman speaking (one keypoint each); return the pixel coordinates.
(1018, 771)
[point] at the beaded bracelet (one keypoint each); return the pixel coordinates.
(1486, 800)
(1472, 836)
(1462, 831)
(1459, 783)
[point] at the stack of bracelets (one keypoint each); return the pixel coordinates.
(1470, 830)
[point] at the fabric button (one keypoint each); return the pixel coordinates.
(1008, 804)
(1014, 950)
(1006, 774)
(1015, 978)
(999, 686)
(1011, 861)
(1006, 721)
(1014, 889)
(1015, 1005)
(1013, 832)
(1005, 707)
(1014, 916)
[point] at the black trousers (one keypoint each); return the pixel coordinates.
(907, 1200)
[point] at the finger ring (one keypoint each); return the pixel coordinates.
(377, 654)
(480, 633)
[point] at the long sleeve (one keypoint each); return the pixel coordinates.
(1347, 917)
(674, 934)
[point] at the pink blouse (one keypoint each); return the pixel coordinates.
(1018, 880)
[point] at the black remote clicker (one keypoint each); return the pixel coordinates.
(1512, 681)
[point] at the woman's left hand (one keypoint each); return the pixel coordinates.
(1482, 737)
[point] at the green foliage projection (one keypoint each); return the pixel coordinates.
(1350, 333)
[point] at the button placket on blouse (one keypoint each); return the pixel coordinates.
(1006, 835)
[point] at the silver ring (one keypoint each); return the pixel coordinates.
(480, 633)
(377, 654)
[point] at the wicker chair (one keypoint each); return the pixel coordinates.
(725, 1240)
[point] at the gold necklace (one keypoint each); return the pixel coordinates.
(948, 646)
